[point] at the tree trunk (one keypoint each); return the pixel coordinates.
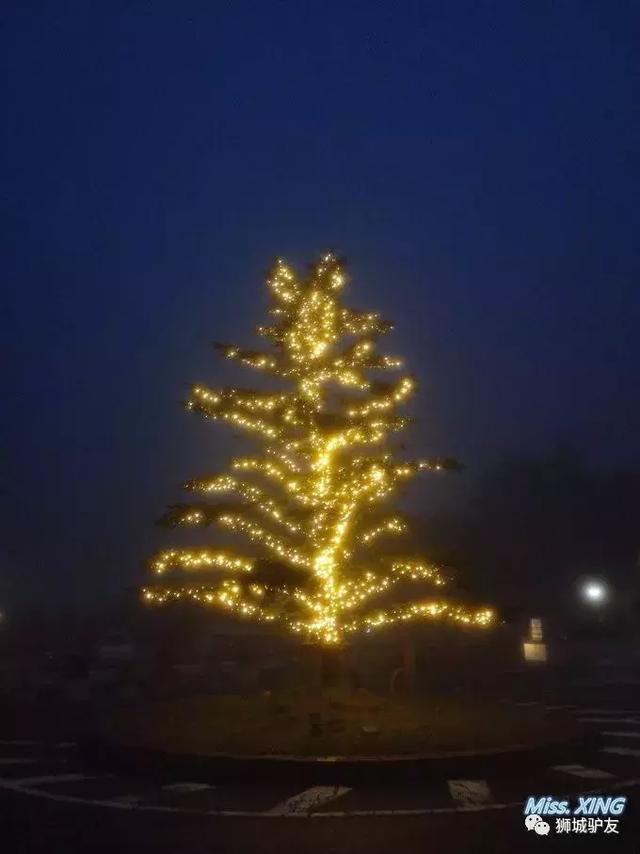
(328, 667)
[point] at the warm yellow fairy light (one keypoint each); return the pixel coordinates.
(199, 559)
(306, 500)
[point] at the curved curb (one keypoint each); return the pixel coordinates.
(109, 753)
(255, 814)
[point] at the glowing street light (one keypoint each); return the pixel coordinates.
(595, 592)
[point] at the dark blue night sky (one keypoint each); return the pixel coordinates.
(476, 162)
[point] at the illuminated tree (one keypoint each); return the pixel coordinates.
(312, 498)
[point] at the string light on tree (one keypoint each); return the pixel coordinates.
(309, 500)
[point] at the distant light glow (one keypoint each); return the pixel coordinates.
(594, 591)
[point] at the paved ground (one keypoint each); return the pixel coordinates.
(53, 800)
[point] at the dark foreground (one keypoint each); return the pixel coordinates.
(52, 800)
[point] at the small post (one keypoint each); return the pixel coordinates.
(409, 663)
(405, 675)
(534, 648)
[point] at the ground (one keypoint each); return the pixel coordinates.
(52, 801)
(335, 723)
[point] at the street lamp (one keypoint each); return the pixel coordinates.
(595, 592)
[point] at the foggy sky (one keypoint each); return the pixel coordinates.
(477, 163)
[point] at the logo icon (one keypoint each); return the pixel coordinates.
(538, 824)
